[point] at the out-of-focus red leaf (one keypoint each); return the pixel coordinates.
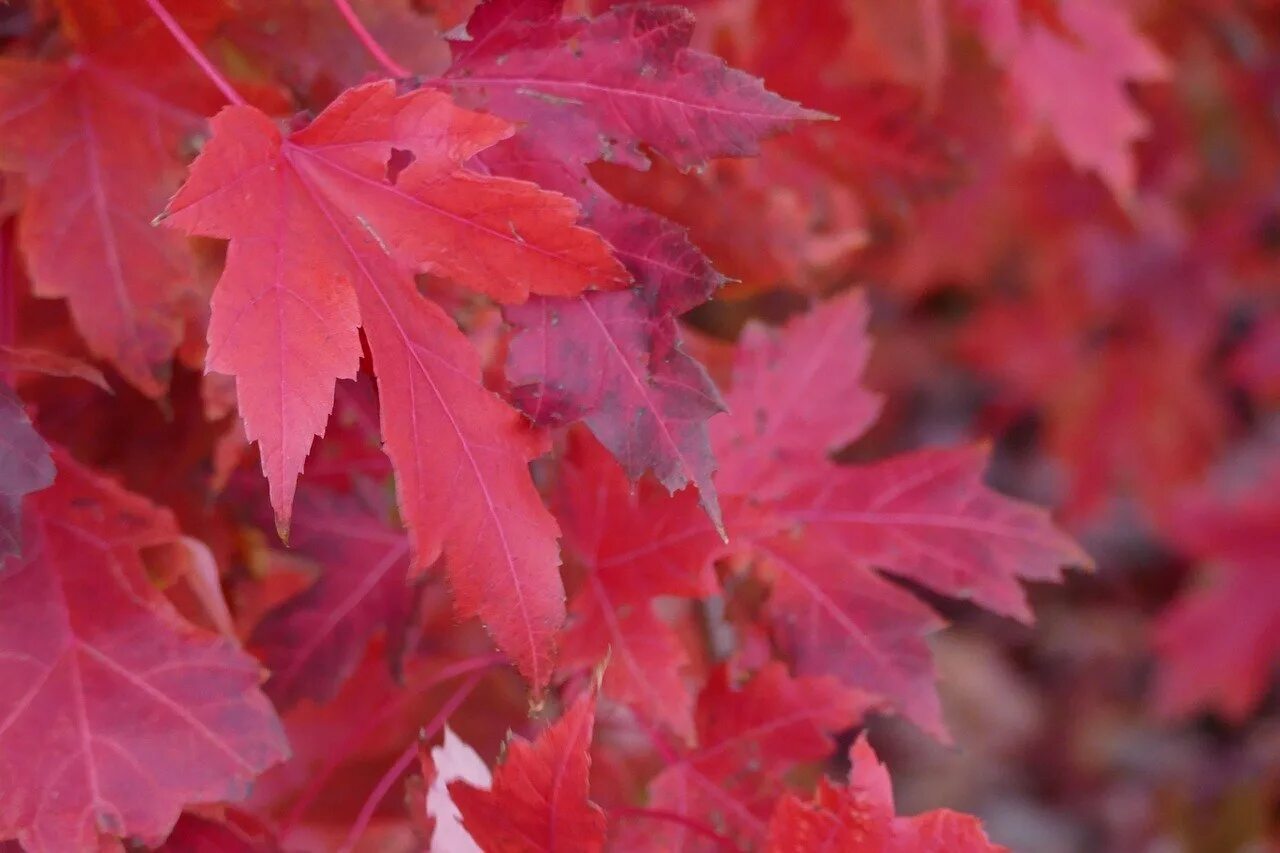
(1074, 84)
(25, 467)
(50, 363)
(94, 181)
(1218, 644)
(133, 712)
(313, 641)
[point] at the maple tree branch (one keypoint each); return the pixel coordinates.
(197, 56)
(406, 758)
(483, 663)
(395, 69)
(675, 817)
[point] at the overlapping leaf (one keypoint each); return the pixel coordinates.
(600, 88)
(312, 642)
(117, 712)
(861, 817)
(749, 738)
(817, 532)
(615, 360)
(538, 800)
(99, 138)
(635, 546)
(324, 240)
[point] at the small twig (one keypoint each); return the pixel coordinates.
(395, 69)
(674, 817)
(197, 56)
(403, 763)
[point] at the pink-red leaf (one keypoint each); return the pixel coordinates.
(797, 397)
(816, 529)
(1218, 643)
(928, 516)
(117, 712)
(1072, 79)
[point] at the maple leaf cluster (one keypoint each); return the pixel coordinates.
(458, 425)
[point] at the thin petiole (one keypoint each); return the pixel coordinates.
(215, 76)
(395, 69)
(405, 760)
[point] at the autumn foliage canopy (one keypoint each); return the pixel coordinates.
(531, 425)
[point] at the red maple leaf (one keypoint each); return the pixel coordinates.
(861, 817)
(1218, 643)
(539, 799)
(816, 531)
(99, 139)
(750, 737)
(133, 711)
(1071, 77)
(323, 240)
(615, 360)
(636, 546)
(599, 88)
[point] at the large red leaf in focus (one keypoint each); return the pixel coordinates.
(1218, 644)
(99, 138)
(117, 711)
(861, 817)
(818, 528)
(323, 240)
(598, 89)
(25, 467)
(313, 641)
(539, 799)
